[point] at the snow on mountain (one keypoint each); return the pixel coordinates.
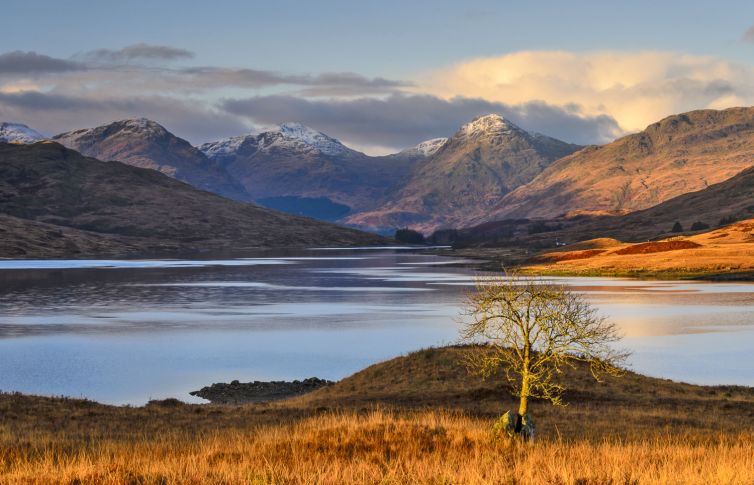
(491, 124)
(224, 147)
(301, 138)
(19, 133)
(287, 136)
(427, 148)
(142, 126)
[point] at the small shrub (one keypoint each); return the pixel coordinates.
(699, 226)
(677, 227)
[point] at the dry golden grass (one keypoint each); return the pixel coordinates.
(724, 251)
(413, 419)
(378, 447)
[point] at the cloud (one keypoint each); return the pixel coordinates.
(581, 97)
(323, 84)
(129, 70)
(139, 51)
(53, 113)
(33, 64)
(399, 120)
(635, 88)
(749, 34)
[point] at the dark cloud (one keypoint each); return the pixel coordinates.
(404, 120)
(53, 113)
(140, 51)
(31, 63)
(37, 101)
(132, 70)
(330, 84)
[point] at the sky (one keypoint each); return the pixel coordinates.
(378, 75)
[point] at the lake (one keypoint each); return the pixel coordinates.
(124, 332)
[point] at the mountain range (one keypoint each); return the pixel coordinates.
(296, 162)
(489, 170)
(466, 176)
(679, 154)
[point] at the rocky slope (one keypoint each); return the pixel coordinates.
(297, 162)
(18, 133)
(110, 207)
(719, 204)
(467, 175)
(730, 200)
(679, 154)
(146, 144)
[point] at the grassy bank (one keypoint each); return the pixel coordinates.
(723, 254)
(414, 419)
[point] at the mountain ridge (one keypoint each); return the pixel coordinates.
(144, 143)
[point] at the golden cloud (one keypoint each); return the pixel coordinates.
(635, 88)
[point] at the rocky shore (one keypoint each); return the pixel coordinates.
(258, 391)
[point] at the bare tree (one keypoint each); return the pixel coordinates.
(535, 330)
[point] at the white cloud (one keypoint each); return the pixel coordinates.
(635, 88)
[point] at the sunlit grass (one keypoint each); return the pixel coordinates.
(420, 418)
(375, 447)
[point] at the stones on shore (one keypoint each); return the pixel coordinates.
(258, 391)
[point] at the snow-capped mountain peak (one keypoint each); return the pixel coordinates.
(140, 125)
(19, 133)
(430, 147)
(299, 134)
(491, 124)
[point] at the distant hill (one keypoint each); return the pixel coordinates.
(49, 191)
(298, 162)
(677, 155)
(18, 133)
(467, 175)
(146, 144)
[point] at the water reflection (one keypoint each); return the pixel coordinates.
(124, 332)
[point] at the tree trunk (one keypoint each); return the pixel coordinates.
(523, 406)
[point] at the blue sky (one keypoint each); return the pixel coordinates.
(426, 48)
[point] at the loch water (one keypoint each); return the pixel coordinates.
(127, 331)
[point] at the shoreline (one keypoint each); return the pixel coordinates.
(491, 262)
(236, 393)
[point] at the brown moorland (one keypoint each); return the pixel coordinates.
(415, 419)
